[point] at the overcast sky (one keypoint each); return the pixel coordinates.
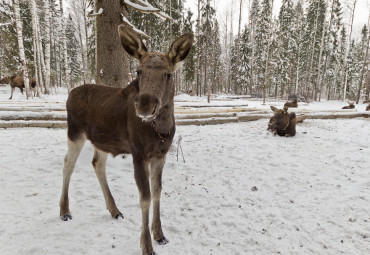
(224, 6)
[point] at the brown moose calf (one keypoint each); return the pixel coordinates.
(292, 104)
(17, 81)
(138, 119)
(282, 123)
(350, 106)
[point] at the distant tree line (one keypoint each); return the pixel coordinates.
(308, 51)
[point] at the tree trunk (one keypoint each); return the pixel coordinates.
(111, 60)
(65, 51)
(198, 50)
(347, 51)
(86, 39)
(36, 49)
(363, 70)
(318, 81)
(265, 74)
(309, 72)
(22, 56)
(47, 46)
(236, 89)
(367, 86)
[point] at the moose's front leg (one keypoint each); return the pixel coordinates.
(142, 181)
(156, 167)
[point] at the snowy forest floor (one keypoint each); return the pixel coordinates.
(241, 190)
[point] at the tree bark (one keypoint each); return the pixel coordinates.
(318, 81)
(198, 50)
(47, 46)
(36, 49)
(22, 56)
(347, 51)
(112, 61)
(363, 70)
(65, 51)
(237, 50)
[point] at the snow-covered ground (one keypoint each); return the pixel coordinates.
(241, 191)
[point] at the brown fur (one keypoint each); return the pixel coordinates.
(17, 81)
(368, 108)
(138, 120)
(5, 80)
(350, 106)
(291, 104)
(282, 123)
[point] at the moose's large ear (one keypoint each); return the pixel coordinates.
(274, 109)
(131, 42)
(180, 48)
(285, 109)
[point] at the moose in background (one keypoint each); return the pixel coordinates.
(368, 107)
(17, 81)
(293, 104)
(282, 123)
(351, 105)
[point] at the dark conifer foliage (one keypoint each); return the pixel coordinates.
(303, 48)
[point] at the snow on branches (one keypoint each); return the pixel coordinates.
(133, 27)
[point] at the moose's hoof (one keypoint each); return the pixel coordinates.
(66, 217)
(153, 253)
(162, 241)
(119, 215)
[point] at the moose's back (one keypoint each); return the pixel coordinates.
(102, 113)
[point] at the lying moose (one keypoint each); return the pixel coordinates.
(294, 103)
(282, 123)
(17, 81)
(350, 106)
(138, 120)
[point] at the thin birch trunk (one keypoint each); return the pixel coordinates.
(47, 46)
(83, 57)
(268, 55)
(237, 50)
(22, 56)
(313, 50)
(40, 53)
(86, 39)
(230, 45)
(198, 50)
(363, 66)
(253, 24)
(318, 81)
(36, 48)
(36, 68)
(347, 51)
(65, 49)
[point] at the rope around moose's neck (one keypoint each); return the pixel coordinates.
(163, 138)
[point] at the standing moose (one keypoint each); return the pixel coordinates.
(137, 120)
(17, 81)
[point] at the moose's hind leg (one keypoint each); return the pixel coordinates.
(99, 163)
(74, 149)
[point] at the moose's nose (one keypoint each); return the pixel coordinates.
(147, 106)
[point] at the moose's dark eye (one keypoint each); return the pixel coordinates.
(169, 76)
(138, 72)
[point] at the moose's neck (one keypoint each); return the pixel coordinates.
(165, 120)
